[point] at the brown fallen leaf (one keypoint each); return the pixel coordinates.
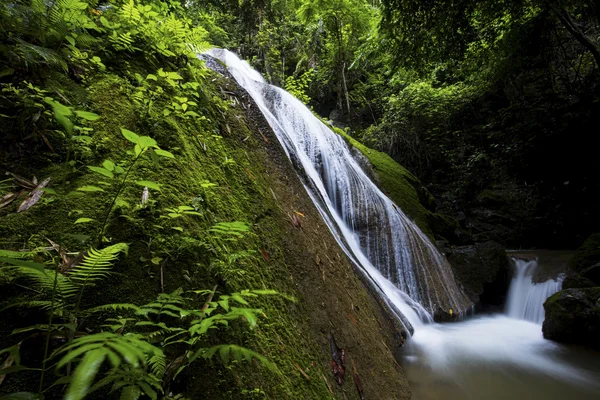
(296, 221)
(33, 197)
(358, 382)
(7, 199)
(26, 183)
(265, 255)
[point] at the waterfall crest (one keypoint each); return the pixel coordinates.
(371, 229)
(525, 298)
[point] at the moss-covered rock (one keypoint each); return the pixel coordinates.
(573, 316)
(586, 255)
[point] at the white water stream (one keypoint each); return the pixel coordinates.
(525, 298)
(493, 357)
(392, 251)
(501, 356)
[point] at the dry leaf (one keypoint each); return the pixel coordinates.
(33, 197)
(7, 199)
(26, 183)
(265, 255)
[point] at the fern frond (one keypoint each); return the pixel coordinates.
(32, 55)
(96, 265)
(157, 363)
(114, 307)
(43, 280)
(229, 352)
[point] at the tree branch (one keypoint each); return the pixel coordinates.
(565, 18)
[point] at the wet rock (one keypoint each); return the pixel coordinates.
(574, 282)
(573, 316)
(484, 271)
(587, 255)
(592, 274)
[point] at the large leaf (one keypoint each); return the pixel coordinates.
(146, 142)
(85, 373)
(131, 136)
(22, 263)
(164, 153)
(148, 184)
(101, 171)
(87, 115)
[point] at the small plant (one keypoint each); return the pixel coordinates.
(119, 175)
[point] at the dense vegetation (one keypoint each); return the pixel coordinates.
(142, 262)
(143, 167)
(492, 103)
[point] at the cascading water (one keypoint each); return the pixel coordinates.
(493, 357)
(373, 231)
(525, 298)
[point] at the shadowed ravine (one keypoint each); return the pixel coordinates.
(373, 231)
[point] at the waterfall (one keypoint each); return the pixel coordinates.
(525, 298)
(392, 251)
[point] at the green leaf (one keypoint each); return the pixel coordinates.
(149, 184)
(90, 188)
(146, 142)
(22, 263)
(84, 374)
(57, 107)
(104, 21)
(22, 396)
(130, 393)
(156, 260)
(177, 228)
(83, 220)
(109, 165)
(164, 153)
(131, 136)
(101, 171)
(174, 75)
(64, 122)
(151, 77)
(87, 115)
(70, 39)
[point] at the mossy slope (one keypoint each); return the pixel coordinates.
(232, 148)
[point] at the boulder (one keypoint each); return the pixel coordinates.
(484, 271)
(586, 255)
(573, 316)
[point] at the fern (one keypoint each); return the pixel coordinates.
(229, 352)
(128, 355)
(32, 55)
(96, 264)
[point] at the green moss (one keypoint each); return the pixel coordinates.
(587, 254)
(397, 183)
(245, 191)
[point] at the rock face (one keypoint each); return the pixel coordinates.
(484, 271)
(573, 316)
(586, 261)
